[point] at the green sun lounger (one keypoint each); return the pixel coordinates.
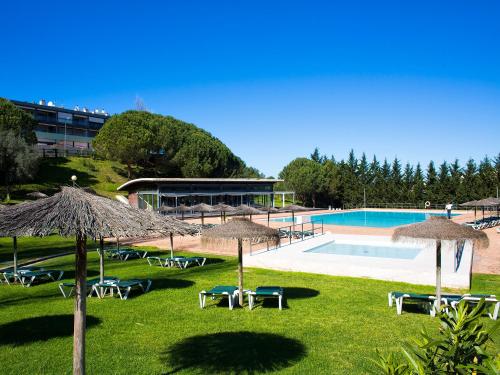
(489, 299)
(122, 287)
(9, 276)
(29, 277)
(63, 287)
(427, 300)
(184, 262)
(220, 291)
(265, 292)
(163, 261)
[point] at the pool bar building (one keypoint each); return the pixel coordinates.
(152, 193)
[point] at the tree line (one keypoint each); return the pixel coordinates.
(321, 181)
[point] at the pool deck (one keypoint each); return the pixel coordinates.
(485, 260)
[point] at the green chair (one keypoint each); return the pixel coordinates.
(122, 287)
(429, 301)
(263, 292)
(220, 291)
(63, 287)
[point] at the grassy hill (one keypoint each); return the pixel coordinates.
(101, 175)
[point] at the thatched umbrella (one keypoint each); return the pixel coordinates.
(183, 208)
(73, 212)
(166, 209)
(470, 204)
(37, 195)
(247, 210)
(203, 208)
(171, 226)
(293, 208)
(440, 229)
(241, 229)
(269, 210)
(223, 209)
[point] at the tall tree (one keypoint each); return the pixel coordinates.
(468, 187)
(18, 160)
(486, 186)
(418, 191)
(444, 189)
(304, 177)
(407, 184)
(20, 122)
(431, 183)
(395, 186)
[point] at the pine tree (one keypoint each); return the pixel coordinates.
(444, 194)
(431, 182)
(486, 182)
(468, 187)
(418, 191)
(385, 177)
(456, 182)
(407, 183)
(395, 186)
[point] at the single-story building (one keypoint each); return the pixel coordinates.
(156, 192)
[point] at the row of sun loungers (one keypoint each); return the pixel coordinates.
(110, 285)
(27, 276)
(181, 262)
(484, 224)
(232, 293)
(429, 301)
(297, 234)
(124, 253)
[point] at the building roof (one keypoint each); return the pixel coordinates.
(139, 181)
(56, 108)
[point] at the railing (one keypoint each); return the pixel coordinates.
(422, 205)
(301, 232)
(59, 153)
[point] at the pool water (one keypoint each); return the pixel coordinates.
(398, 252)
(378, 219)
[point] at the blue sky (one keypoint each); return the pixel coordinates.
(273, 80)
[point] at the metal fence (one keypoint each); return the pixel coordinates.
(60, 153)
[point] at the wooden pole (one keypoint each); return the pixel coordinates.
(202, 218)
(438, 273)
(240, 271)
(171, 245)
(101, 259)
(80, 305)
(14, 244)
(268, 217)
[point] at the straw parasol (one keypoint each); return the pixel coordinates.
(183, 208)
(203, 208)
(247, 210)
(241, 229)
(269, 210)
(36, 195)
(293, 208)
(486, 202)
(440, 229)
(223, 209)
(73, 212)
(166, 209)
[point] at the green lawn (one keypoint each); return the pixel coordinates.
(331, 325)
(101, 175)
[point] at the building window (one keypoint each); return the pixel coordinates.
(64, 117)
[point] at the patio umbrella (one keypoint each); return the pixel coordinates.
(223, 209)
(241, 229)
(440, 229)
(488, 202)
(73, 212)
(166, 209)
(293, 208)
(37, 195)
(269, 210)
(470, 204)
(247, 210)
(183, 208)
(203, 208)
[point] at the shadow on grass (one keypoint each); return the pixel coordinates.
(299, 293)
(171, 284)
(40, 328)
(234, 352)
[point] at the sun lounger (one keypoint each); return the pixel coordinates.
(163, 261)
(427, 300)
(184, 262)
(29, 277)
(122, 287)
(9, 276)
(490, 299)
(265, 292)
(220, 291)
(63, 287)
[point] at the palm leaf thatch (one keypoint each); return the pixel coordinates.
(269, 210)
(440, 229)
(468, 204)
(36, 195)
(223, 209)
(247, 210)
(241, 229)
(166, 209)
(203, 208)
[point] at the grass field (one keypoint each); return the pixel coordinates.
(101, 175)
(331, 325)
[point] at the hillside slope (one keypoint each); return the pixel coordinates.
(101, 175)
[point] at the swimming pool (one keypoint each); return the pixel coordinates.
(396, 252)
(378, 219)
